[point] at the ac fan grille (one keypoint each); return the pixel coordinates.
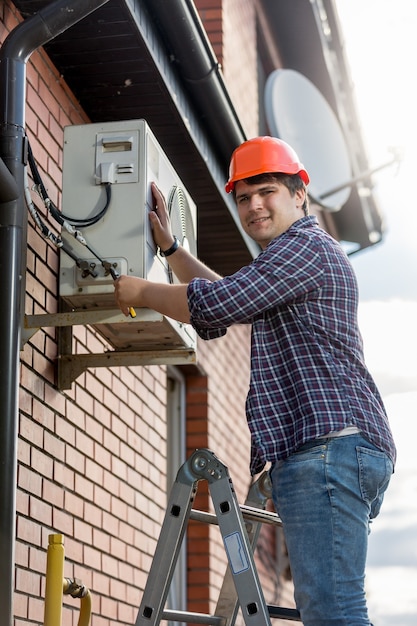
(181, 218)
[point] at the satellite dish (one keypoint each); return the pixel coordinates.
(299, 114)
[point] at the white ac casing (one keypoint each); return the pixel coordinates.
(127, 156)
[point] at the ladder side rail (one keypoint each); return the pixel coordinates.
(239, 553)
(227, 603)
(201, 465)
(166, 554)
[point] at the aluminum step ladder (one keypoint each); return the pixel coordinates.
(241, 586)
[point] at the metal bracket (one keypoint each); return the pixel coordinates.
(70, 365)
(33, 323)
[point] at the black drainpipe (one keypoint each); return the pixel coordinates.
(20, 44)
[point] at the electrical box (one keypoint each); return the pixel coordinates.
(106, 197)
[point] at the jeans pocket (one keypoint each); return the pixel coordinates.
(375, 471)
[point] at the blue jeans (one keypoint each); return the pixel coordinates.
(326, 493)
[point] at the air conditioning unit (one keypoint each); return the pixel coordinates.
(106, 197)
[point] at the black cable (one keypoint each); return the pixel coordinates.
(35, 173)
(60, 217)
(83, 221)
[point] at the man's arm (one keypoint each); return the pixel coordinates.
(170, 300)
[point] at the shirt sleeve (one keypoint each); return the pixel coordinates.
(288, 271)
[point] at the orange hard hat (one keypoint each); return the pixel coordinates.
(263, 155)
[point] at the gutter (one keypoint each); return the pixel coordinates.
(191, 52)
(31, 34)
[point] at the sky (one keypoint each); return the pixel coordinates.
(381, 43)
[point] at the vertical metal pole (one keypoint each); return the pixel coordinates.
(54, 581)
(12, 233)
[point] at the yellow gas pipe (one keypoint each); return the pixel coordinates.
(57, 586)
(76, 589)
(54, 575)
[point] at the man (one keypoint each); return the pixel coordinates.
(313, 409)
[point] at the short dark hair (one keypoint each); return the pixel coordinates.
(293, 182)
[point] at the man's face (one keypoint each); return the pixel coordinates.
(267, 210)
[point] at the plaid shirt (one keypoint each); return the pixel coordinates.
(308, 375)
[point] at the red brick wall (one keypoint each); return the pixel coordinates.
(216, 420)
(198, 557)
(211, 14)
(240, 60)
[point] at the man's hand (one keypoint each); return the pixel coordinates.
(183, 264)
(128, 292)
(160, 222)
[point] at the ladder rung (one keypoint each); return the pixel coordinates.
(259, 515)
(216, 620)
(196, 618)
(248, 512)
(291, 615)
